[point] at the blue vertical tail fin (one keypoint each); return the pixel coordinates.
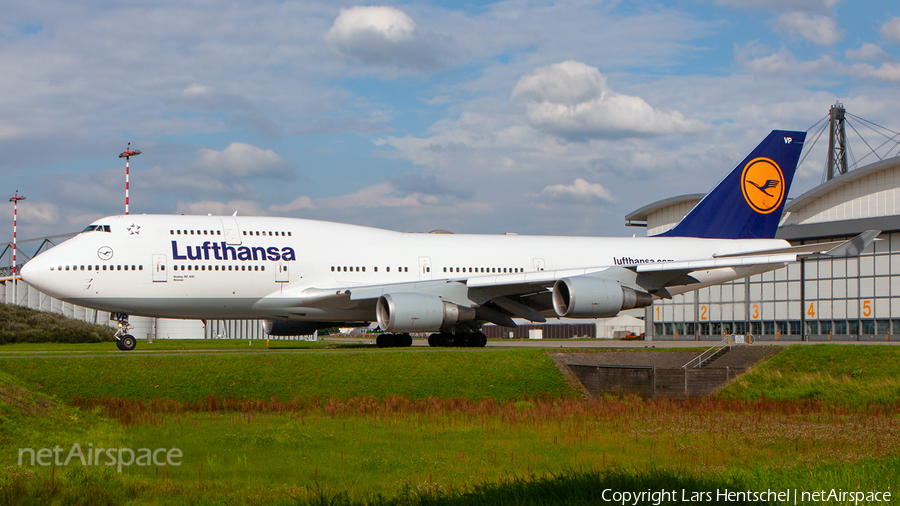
(747, 203)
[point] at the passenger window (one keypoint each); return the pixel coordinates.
(263, 268)
(388, 269)
(255, 267)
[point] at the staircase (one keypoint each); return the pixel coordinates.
(712, 358)
(708, 356)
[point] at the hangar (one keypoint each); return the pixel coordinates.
(855, 299)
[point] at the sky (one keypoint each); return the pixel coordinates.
(533, 117)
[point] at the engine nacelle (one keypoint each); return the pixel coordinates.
(289, 327)
(584, 297)
(418, 312)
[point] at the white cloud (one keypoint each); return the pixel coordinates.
(868, 51)
(891, 30)
(243, 160)
(198, 90)
(571, 100)
(202, 207)
(781, 62)
(888, 71)
(302, 202)
(387, 36)
(44, 213)
(580, 191)
(816, 28)
(784, 5)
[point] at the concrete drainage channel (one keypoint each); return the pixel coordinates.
(661, 373)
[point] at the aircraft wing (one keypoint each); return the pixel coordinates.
(499, 297)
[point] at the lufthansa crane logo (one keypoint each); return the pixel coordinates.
(105, 253)
(763, 185)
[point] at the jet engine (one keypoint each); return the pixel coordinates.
(418, 312)
(289, 327)
(585, 297)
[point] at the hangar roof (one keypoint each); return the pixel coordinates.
(853, 175)
(642, 213)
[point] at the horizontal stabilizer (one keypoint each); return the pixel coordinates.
(854, 246)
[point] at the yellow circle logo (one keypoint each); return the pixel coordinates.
(763, 185)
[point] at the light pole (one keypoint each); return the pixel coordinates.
(15, 200)
(127, 154)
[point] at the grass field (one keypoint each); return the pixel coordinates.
(846, 375)
(436, 427)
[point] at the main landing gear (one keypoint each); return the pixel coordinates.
(124, 340)
(394, 340)
(458, 340)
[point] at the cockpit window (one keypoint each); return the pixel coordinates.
(96, 228)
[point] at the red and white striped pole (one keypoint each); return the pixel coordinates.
(15, 200)
(127, 154)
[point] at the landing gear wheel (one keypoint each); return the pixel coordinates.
(480, 339)
(406, 340)
(124, 340)
(127, 342)
(382, 341)
(434, 340)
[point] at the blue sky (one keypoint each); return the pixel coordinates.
(535, 117)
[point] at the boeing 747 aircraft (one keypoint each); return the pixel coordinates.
(277, 269)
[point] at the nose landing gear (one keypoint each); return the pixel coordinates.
(124, 340)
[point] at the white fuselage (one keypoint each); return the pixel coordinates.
(256, 267)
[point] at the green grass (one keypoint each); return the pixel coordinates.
(22, 325)
(444, 451)
(847, 375)
(497, 374)
(434, 427)
(174, 345)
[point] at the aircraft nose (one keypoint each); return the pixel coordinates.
(31, 273)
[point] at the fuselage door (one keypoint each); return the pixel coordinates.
(231, 231)
(424, 268)
(159, 268)
(538, 264)
(281, 272)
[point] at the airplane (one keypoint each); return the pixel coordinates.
(290, 273)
